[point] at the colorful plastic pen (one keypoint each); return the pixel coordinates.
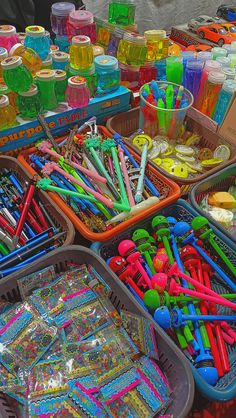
(26, 206)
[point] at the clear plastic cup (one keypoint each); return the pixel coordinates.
(154, 120)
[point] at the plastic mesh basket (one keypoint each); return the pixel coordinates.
(226, 386)
(220, 181)
(169, 192)
(172, 361)
(127, 123)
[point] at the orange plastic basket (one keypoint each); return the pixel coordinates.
(169, 191)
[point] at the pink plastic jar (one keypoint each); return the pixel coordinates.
(147, 73)
(77, 92)
(8, 36)
(81, 22)
(129, 76)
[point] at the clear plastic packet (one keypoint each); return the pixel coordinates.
(8, 381)
(24, 339)
(55, 350)
(131, 394)
(35, 280)
(83, 400)
(47, 378)
(54, 406)
(97, 284)
(141, 332)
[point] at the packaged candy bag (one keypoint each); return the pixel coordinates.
(33, 281)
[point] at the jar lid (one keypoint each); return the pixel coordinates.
(220, 51)
(81, 40)
(155, 34)
(35, 31)
(97, 50)
(3, 53)
(59, 56)
(33, 90)
(86, 72)
(14, 48)
(47, 61)
(81, 17)
(216, 77)
(225, 61)
(211, 65)
(229, 86)
(229, 72)
(135, 37)
(123, 1)
(195, 64)
(62, 9)
(60, 75)
(7, 30)
(11, 62)
(73, 71)
(4, 89)
(77, 81)
(4, 101)
(130, 67)
(232, 57)
(54, 48)
(204, 55)
(106, 62)
(45, 75)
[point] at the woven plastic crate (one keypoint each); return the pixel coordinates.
(172, 361)
(5, 409)
(127, 123)
(56, 214)
(168, 189)
(220, 181)
(225, 389)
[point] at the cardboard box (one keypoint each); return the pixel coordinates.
(228, 127)
(185, 37)
(27, 133)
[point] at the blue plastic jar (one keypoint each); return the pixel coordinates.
(108, 74)
(60, 60)
(37, 40)
(225, 97)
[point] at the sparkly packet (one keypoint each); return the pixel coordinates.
(97, 284)
(142, 333)
(108, 360)
(48, 408)
(151, 370)
(47, 378)
(82, 398)
(131, 394)
(24, 340)
(35, 280)
(8, 380)
(55, 350)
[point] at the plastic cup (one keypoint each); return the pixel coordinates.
(157, 121)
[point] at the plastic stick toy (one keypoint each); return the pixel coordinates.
(140, 238)
(161, 227)
(46, 129)
(140, 186)
(127, 249)
(126, 176)
(201, 227)
(183, 231)
(119, 266)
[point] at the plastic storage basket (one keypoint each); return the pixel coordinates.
(215, 183)
(168, 189)
(172, 361)
(127, 123)
(225, 389)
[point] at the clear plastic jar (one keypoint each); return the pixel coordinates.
(121, 12)
(81, 22)
(3, 55)
(59, 17)
(8, 36)
(30, 58)
(37, 40)
(77, 93)
(29, 103)
(129, 77)
(81, 53)
(132, 49)
(157, 44)
(108, 74)
(7, 113)
(60, 60)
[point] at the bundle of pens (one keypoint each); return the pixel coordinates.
(163, 108)
(98, 177)
(66, 351)
(28, 230)
(171, 270)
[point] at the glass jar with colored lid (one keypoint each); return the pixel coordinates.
(147, 73)
(10, 94)
(16, 75)
(29, 103)
(81, 22)
(97, 50)
(157, 44)
(81, 53)
(53, 48)
(59, 17)
(3, 55)
(60, 60)
(46, 80)
(8, 36)
(121, 12)
(104, 31)
(29, 57)
(61, 85)
(132, 49)
(114, 41)
(77, 93)
(108, 74)
(37, 40)
(91, 78)
(47, 63)
(7, 113)
(129, 75)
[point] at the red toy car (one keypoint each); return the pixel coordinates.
(215, 33)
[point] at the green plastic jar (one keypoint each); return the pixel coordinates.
(29, 103)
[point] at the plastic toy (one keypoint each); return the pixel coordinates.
(230, 28)
(227, 12)
(215, 33)
(202, 20)
(198, 48)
